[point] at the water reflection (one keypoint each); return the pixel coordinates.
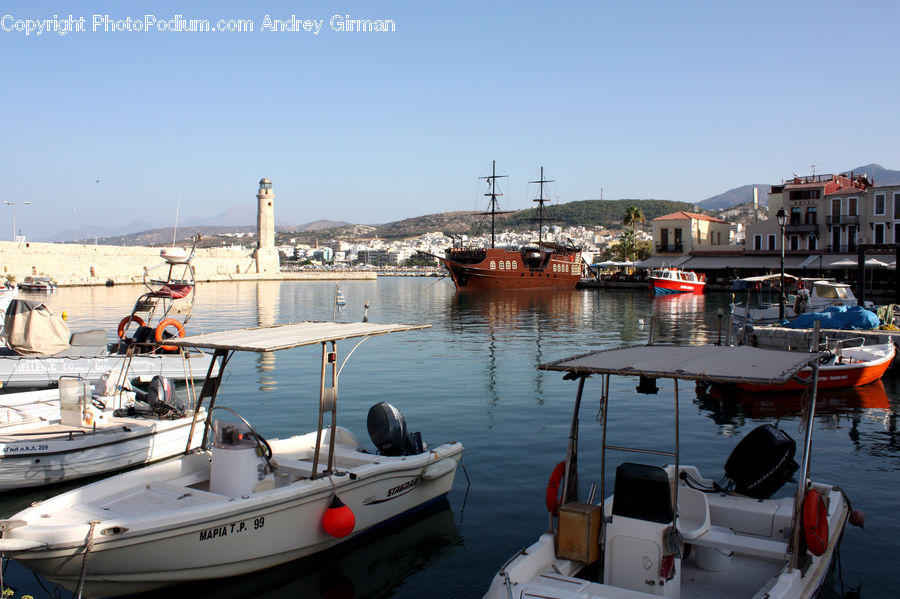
(682, 316)
(373, 566)
(869, 404)
(267, 294)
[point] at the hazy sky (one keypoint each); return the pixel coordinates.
(669, 100)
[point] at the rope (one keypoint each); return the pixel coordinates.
(87, 549)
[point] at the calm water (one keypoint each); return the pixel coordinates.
(472, 377)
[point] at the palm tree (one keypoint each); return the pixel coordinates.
(633, 216)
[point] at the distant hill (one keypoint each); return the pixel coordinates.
(878, 174)
(738, 195)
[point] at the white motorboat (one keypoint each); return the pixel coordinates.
(58, 435)
(761, 311)
(41, 349)
(666, 530)
(243, 504)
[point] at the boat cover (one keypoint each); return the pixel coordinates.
(33, 330)
(708, 363)
(286, 336)
(837, 317)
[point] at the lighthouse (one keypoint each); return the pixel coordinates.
(266, 255)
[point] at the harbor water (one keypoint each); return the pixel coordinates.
(472, 377)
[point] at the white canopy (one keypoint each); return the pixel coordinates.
(708, 363)
(286, 336)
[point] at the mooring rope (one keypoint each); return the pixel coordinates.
(87, 549)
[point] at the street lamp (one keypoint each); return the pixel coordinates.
(13, 204)
(782, 221)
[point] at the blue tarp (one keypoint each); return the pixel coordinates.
(837, 317)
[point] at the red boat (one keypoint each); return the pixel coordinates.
(673, 280)
(843, 367)
(544, 265)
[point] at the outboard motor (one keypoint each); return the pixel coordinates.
(761, 463)
(387, 429)
(160, 399)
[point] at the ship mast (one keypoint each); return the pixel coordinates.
(541, 200)
(493, 194)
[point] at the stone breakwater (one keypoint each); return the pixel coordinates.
(72, 264)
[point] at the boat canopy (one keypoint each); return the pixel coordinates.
(706, 363)
(767, 278)
(286, 336)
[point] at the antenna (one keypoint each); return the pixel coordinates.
(813, 168)
(177, 210)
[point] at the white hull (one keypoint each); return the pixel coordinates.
(36, 455)
(160, 525)
(44, 371)
(755, 531)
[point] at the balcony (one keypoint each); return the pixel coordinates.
(802, 228)
(841, 249)
(671, 248)
(842, 219)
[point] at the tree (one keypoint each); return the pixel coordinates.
(633, 216)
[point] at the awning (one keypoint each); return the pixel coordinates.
(711, 363)
(761, 261)
(662, 261)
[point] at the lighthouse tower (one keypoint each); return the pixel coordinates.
(266, 255)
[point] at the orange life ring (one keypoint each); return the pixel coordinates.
(123, 324)
(553, 488)
(161, 327)
(815, 522)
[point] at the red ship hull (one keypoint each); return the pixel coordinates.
(497, 268)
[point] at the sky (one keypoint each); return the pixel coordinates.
(615, 99)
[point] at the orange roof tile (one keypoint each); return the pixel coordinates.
(690, 215)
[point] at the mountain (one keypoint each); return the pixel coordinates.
(878, 174)
(738, 195)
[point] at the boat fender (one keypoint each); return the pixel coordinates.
(553, 490)
(123, 324)
(815, 522)
(858, 518)
(158, 335)
(338, 520)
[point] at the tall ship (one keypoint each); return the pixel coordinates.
(540, 265)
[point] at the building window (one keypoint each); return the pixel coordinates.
(772, 245)
(896, 205)
(757, 242)
(851, 207)
(879, 204)
(795, 242)
(811, 215)
(795, 215)
(879, 233)
(811, 243)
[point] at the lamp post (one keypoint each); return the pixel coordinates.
(13, 204)
(782, 221)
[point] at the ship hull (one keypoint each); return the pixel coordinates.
(506, 269)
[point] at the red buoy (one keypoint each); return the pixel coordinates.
(815, 522)
(338, 520)
(857, 518)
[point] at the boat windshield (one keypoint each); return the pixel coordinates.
(833, 292)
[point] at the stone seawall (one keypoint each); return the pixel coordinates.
(75, 264)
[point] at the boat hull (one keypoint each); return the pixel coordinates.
(166, 530)
(44, 371)
(30, 460)
(506, 269)
(666, 286)
(834, 375)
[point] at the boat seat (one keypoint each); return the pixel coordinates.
(693, 513)
(725, 538)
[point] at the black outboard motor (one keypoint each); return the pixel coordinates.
(160, 400)
(387, 429)
(761, 463)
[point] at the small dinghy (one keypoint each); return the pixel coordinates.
(242, 503)
(667, 530)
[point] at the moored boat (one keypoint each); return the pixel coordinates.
(48, 437)
(674, 280)
(839, 367)
(666, 530)
(37, 284)
(541, 265)
(244, 503)
(760, 307)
